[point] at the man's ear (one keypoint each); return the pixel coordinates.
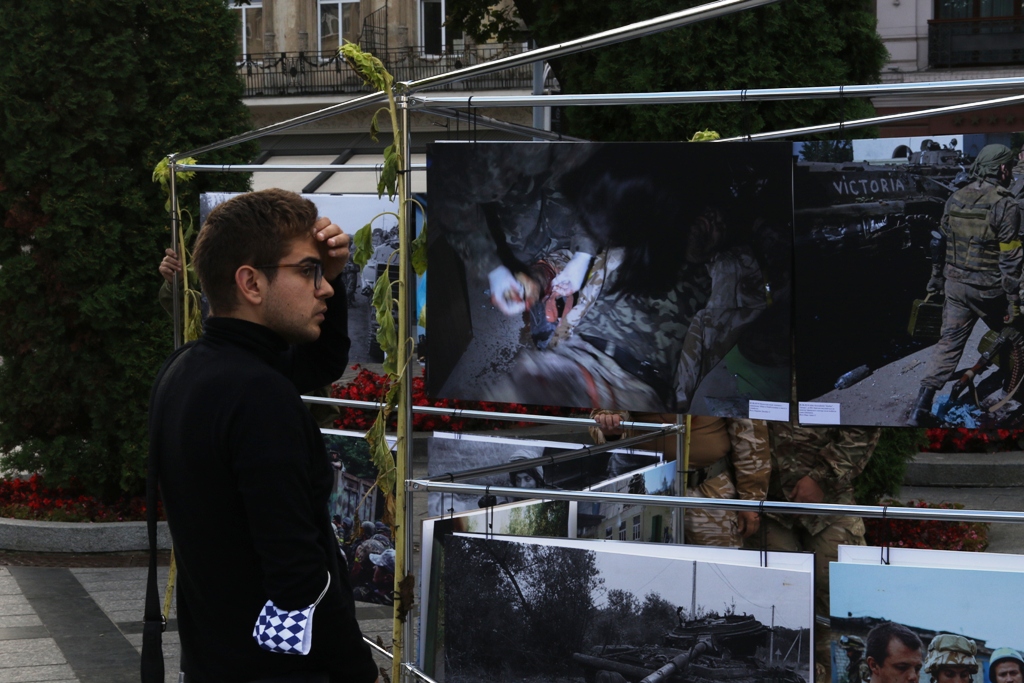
(251, 285)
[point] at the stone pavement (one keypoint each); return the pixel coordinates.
(85, 624)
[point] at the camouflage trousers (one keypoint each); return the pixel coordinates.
(824, 545)
(712, 527)
(574, 373)
(965, 304)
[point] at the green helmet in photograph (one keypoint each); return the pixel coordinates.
(947, 649)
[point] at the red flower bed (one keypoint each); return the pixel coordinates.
(369, 386)
(962, 440)
(31, 499)
(902, 533)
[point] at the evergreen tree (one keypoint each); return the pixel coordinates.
(94, 93)
(788, 44)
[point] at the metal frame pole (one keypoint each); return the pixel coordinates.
(406, 296)
(176, 301)
(969, 87)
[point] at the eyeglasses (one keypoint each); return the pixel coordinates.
(311, 270)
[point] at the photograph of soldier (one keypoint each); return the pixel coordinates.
(981, 280)
(893, 654)
(544, 612)
(452, 453)
(815, 465)
(1006, 665)
(959, 629)
(358, 210)
(610, 275)
(951, 659)
(729, 458)
(897, 261)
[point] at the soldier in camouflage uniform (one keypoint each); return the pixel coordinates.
(816, 465)
(951, 659)
(982, 274)
(729, 459)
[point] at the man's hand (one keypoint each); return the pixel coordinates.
(747, 523)
(609, 423)
(333, 244)
(170, 265)
(507, 293)
(937, 282)
(807, 491)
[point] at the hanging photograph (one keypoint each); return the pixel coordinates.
(356, 508)
(542, 612)
(902, 312)
(352, 212)
(627, 522)
(529, 518)
(649, 277)
(453, 453)
(950, 623)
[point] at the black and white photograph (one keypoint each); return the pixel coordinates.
(649, 277)
(449, 453)
(541, 612)
(950, 622)
(352, 212)
(897, 321)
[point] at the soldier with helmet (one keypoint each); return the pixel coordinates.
(1006, 665)
(981, 276)
(951, 659)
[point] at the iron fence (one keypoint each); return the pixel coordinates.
(313, 73)
(976, 42)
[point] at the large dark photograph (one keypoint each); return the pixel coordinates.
(541, 612)
(904, 285)
(652, 277)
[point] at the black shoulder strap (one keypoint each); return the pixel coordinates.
(154, 623)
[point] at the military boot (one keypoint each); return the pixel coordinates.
(921, 413)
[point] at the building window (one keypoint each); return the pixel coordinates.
(339, 22)
(432, 26)
(608, 532)
(977, 9)
(636, 528)
(622, 530)
(250, 29)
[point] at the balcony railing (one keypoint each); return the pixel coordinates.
(976, 42)
(311, 73)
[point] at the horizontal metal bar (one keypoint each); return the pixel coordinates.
(621, 34)
(286, 168)
(874, 511)
(875, 120)
(378, 648)
(417, 673)
(483, 414)
(347, 106)
(496, 124)
(554, 458)
(704, 96)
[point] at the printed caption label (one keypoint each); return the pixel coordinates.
(819, 413)
(769, 410)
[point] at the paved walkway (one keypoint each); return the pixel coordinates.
(67, 625)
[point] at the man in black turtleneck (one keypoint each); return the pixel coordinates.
(243, 472)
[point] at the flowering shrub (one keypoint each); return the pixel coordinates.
(903, 533)
(369, 386)
(962, 440)
(31, 499)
